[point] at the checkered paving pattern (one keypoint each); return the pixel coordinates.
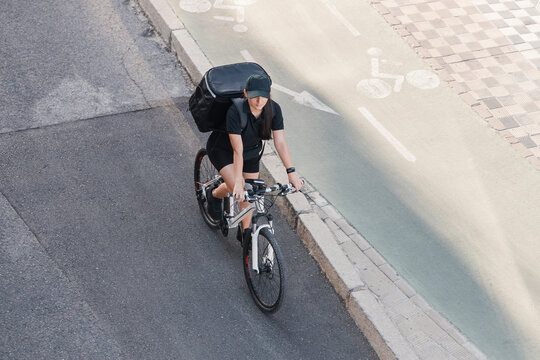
(489, 52)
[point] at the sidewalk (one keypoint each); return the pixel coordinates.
(396, 320)
(488, 51)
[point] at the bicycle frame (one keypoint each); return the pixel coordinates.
(232, 220)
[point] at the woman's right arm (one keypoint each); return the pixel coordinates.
(238, 164)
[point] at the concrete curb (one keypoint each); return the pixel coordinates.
(397, 322)
(162, 16)
(190, 55)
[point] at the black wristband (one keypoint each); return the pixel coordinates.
(291, 170)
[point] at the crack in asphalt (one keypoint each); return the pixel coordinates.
(131, 78)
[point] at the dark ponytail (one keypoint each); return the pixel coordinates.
(265, 130)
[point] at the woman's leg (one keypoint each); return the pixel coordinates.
(227, 173)
(247, 220)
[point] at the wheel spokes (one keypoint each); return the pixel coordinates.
(267, 282)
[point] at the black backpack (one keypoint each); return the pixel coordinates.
(219, 88)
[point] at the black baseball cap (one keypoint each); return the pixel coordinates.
(258, 85)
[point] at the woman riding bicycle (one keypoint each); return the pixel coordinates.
(237, 152)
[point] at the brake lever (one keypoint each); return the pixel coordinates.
(289, 189)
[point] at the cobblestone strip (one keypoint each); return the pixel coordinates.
(487, 51)
(426, 331)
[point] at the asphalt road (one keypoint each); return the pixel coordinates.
(103, 254)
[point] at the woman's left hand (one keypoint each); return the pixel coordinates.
(296, 181)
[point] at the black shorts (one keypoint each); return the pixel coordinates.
(221, 158)
(220, 153)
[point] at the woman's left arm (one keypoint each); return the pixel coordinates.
(283, 152)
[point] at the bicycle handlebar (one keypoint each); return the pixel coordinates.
(252, 195)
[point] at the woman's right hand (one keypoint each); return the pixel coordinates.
(238, 191)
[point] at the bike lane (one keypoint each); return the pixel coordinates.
(416, 172)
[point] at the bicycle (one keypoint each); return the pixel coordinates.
(264, 273)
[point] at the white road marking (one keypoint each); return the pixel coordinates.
(340, 17)
(195, 6)
(200, 6)
(374, 52)
(374, 88)
(219, 4)
(240, 28)
(247, 56)
(303, 98)
(284, 90)
(225, 18)
(375, 72)
(387, 135)
(306, 99)
(423, 79)
(378, 89)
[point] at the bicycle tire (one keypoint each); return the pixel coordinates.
(268, 286)
(204, 171)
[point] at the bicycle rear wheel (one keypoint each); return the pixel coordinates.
(204, 172)
(268, 284)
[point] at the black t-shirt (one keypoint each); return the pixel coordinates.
(250, 135)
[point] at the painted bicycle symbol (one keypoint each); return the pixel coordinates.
(201, 6)
(378, 88)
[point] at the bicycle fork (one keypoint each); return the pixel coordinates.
(233, 221)
(269, 256)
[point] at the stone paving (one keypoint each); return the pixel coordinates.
(489, 53)
(428, 334)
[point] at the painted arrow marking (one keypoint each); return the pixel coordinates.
(303, 98)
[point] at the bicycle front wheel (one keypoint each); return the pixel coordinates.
(267, 284)
(203, 173)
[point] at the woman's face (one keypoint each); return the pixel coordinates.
(257, 102)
